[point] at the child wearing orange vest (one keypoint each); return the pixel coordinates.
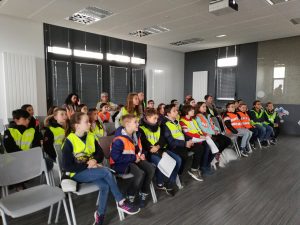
(245, 120)
(127, 156)
(234, 125)
(104, 113)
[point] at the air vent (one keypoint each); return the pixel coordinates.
(156, 29)
(89, 15)
(295, 21)
(275, 2)
(187, 41)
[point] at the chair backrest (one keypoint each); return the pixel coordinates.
(58, 152)
(105, 143)
(21, 166)
(110, 128)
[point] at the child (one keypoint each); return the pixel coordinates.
(208, 127)
(34, 123)
(178, 145)
(259, 120)
(71, 102)
(273, 119)
(154, 144)
(161, 112)
(96, 126)
(132, 107)
(192, 131)
(150, 104)
(104, 113)
(127, 156)
(245, 120)
(56, 125)
(82, 108)
(21, 137)
(234, 125)
(81, 160)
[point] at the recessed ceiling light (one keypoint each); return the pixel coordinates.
(221, 35)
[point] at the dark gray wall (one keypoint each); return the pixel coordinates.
(246, 80)
(205, 60)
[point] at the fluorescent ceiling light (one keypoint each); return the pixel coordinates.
(59, 50)
(118, 58)
(221, 35)
(226, 99)
(227, 62)
(88, 54)
(136, 60)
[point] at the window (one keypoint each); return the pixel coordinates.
(138, 80)
(89, 83)
(278, 81)
(226, 83)
(119, 84)
(61, 81)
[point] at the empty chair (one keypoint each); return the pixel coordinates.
(21, 166)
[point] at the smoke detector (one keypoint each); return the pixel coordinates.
(89, 15)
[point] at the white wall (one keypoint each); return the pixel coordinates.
(165, 75)
(23, 37)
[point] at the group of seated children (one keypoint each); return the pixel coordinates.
(140, 142)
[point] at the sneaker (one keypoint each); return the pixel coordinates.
(143, 197)
(253, 146)
(272, 142)
(99, 219)
(195, 174)
(128, 208)
(131, 199)
(160, 187)
(243, 152)
(264, 144)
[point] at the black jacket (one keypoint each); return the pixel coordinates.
(146, 144)
(10, 144)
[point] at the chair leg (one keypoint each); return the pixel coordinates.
(57, 212)
(121, 213)
(258, 141)
(3, 218)
(6, 190)
(3, 194)
(72, 208)
(97, 203)
(236, 147)
(178, 182)
(154, 198)
(67, 212)
(50, 214)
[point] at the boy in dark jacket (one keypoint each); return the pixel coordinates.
(154, 144)
(127, 156)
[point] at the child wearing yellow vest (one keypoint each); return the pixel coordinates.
(234, 125)
(20, 137)
(97, 127)
(81, 160)
(154, 144)
(55, 131)
(132, 107)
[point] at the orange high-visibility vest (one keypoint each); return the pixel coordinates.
(104, 117)
(129, 148)
(235, 121)
(245, 120)
(204, 121)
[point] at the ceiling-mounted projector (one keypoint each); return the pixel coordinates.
(222, 7)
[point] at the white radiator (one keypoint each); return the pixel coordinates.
(200, 79)
(20, 81)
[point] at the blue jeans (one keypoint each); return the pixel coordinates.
(103, 178)
(155, 158)
(264, 132)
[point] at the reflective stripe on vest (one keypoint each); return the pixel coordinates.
(271, 117)
(152, 137)
(23, 141)
(235, 121)
(176, 131)
(129, 148)
(245, 120)
(192, 129)
(82, 151)
(59, 135)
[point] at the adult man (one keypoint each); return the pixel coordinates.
(211, 108)
(105, 99)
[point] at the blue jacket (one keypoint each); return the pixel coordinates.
(122, 161)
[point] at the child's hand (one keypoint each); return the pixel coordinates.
(154, 149)
(142, 157)
(92, 163)
(189, 144)
(137, 159)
